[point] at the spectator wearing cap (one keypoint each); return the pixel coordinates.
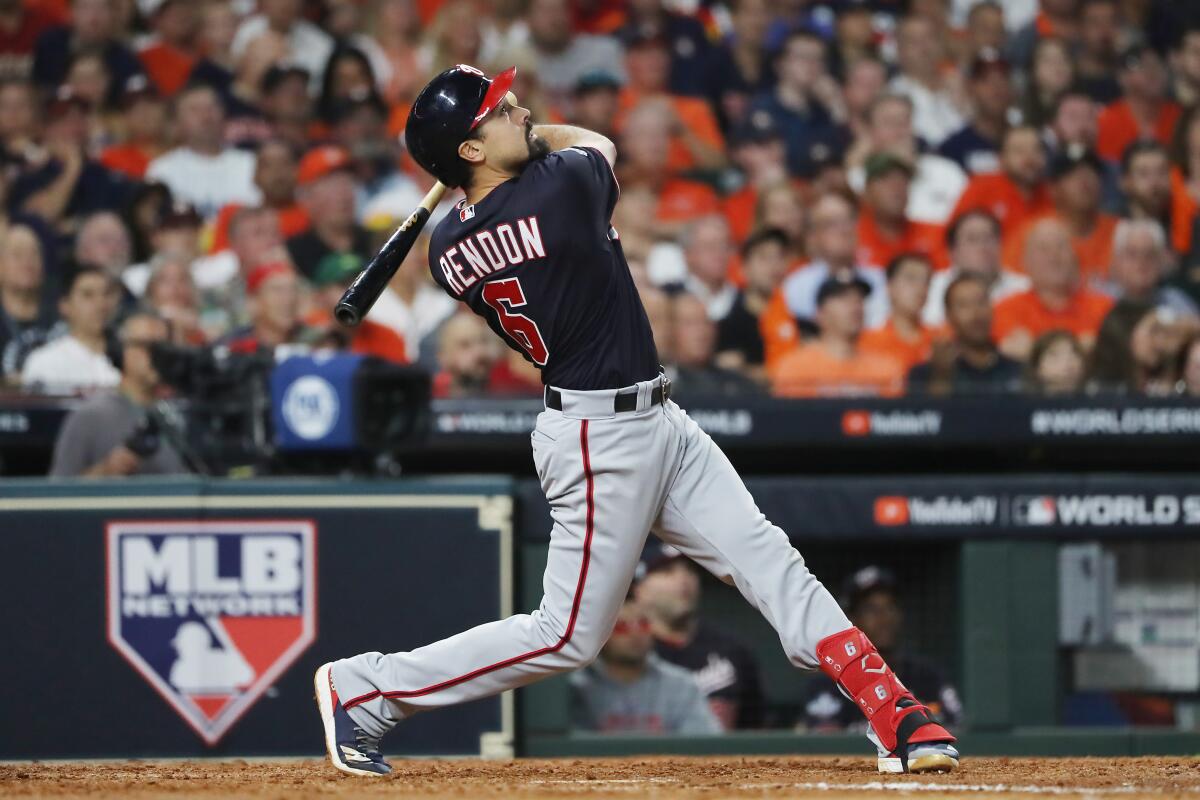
(280, 27)
(759, 153)
(645, 145)
(708, 251)
(884, 229)
(833, 247)
(968, 361)
(465, 357)
(145, 130)
(976, 146)
(595, 102)
(20, 27)
(171, 54)
(175, 233)
(273, 303)
(799, 103)
(629, 689)
(1141, 262)
(334, 274)
(94, 24)
(1056, 299)
(696, 140)
(937, 182)
(275, 176)
(974, 242)
(563, 56)
(936, 112)
(1096, 62)
(77, 359)
(667, 586)
(834, 363)
(1018, 193)
(739, 338)
(326, 191)
(871, 599)
(1144, 110)
(742, 64)
(903, 337)
(1076, 186)
(68, 184)
(27, 312)
(684, 38)
(1185, 68)
(692, 366)
(1146, 183)
(202, 171)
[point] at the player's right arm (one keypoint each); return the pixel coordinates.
(560, 137)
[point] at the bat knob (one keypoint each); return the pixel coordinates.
(347, 315)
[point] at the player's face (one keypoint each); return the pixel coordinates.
(878, 616)
(509, 142)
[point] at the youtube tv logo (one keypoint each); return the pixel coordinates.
(856, 423)
(891, 511)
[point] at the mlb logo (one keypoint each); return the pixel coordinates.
(1035, 510)
(465, 213)
(211, 613)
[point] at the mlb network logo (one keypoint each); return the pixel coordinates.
(211, 613)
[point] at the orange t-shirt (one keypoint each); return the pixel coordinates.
(1025, 310)
(693, 112)
(167, 66)
(1094, 251)
(739, 209)
(778, 329)
(918, 237)
(1119, 128)
(886, 341)
(1183, 213)
(680, 201)
(810, 371)
(998, 194)
(127, 159)
(293, 221)
(370, 338)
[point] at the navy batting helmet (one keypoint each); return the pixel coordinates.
(444, 114)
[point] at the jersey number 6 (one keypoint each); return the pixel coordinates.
(503, 296)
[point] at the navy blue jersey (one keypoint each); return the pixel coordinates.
(538, 259)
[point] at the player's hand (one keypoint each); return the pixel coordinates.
(121, 461)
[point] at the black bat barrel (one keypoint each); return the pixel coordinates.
(374, 278)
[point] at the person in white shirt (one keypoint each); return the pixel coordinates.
(938, 111)
(202, 171)
(974, 241)
(77, 360)
(937, 181)
(304, 44)
(708, 250)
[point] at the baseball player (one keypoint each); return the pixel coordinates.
(532, 251)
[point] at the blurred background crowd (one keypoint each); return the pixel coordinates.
(819, 197)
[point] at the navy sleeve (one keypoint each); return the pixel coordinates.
(585, 171)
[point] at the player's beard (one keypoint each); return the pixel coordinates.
(538, 146)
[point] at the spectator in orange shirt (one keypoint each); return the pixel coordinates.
(1146, 182)
(758, 152)
(275, 175)
(645, 142)
(1057, 298)
(169, 58)
(333, 276)
(884, 230)
(1144, 111)
(145, 130)
(1018, 193)
(974, 241)
(903, 337)
(696, 141)
(833, 364)
(739, 338)
(1075, 176)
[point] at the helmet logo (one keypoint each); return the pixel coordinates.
(470, 69)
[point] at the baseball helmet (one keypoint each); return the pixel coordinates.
(444, 114)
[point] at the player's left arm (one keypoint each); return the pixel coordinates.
(560, 137)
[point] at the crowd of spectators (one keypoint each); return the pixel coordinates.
(819, 197)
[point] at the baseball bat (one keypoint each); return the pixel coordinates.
(374, 278)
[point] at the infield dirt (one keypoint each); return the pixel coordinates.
(654, 777)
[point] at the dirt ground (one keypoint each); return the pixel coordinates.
(658, 777)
